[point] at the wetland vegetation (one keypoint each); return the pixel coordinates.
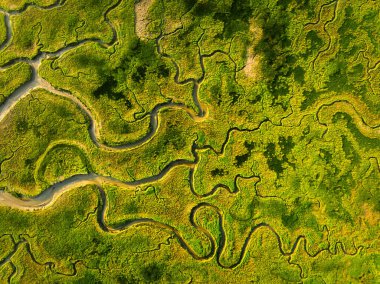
(189, 141)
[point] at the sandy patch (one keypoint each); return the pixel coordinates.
(252, 65)
(142, 18)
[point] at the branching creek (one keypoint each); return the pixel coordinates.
(50, 195)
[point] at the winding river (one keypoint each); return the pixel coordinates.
(37, 82)
(50, 195)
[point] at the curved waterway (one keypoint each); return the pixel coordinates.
(8, 29)
(37, 82)
(216, 248)
(50, 195)
(8, 13)
(94, 126)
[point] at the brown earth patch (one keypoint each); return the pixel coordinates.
(142, 18)
(253, 63)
